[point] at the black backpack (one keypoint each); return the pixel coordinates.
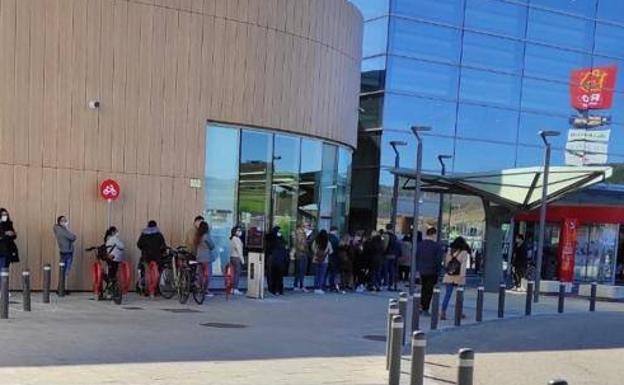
(453, 267)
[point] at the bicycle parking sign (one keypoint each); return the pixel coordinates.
(110, 190)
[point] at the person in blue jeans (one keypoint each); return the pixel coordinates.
(455, 264)
(301, 259)
(321, 250)
(333, 266)
(65, 240)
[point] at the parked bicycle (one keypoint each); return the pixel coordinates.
(183, 275)
(108, 285)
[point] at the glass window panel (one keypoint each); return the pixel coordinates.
(609, 40)
(492, 52)
(410, 75)
(476, 156)
(254, 188)
(489, 87)
(497, 17)
(371, 9)
(373, 74)
(599, 61)
(533, 156)
(375, 37)
(532, 123)
(425, 41)
(403, 111)
(328, 184)
(546, 96)
(432, 147)
(585, 8)
(220, 187)
(443, 11)
(552, 63)
(612, 10)
(371, 110)
(560, 30)
(309, 181)
(343, 191)
(490, 123)
(285, 191)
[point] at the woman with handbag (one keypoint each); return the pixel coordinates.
(455, 265)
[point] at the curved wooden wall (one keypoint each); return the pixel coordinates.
(161, 69)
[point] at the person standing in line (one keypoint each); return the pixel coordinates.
(301, 258)
(428, 263)
(455, 263)
(321, 250)
(361, 258)
(8, 249)
(151, 243)
(204, 245)
(65, 239)
(333, 267)
(376, 261)
(191, 236)
(406, 257)
(346, 255)
(519, 261)
(236, 256)
(279, 258)
(115, 248)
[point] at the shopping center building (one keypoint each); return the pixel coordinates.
(487, 76)
(244, 111)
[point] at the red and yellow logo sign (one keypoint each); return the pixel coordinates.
(592, 88)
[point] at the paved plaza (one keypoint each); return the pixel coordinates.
(294, 339)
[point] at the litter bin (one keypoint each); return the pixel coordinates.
(255, 275)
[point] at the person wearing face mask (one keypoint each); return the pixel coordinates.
(236, 255)
(115, 248)
(65, 240)
(8, 249)
(279, 258)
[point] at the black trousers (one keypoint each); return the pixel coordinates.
(519, 271)
(428, 282)
(276, 282)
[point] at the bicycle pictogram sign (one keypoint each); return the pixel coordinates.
(110, 190)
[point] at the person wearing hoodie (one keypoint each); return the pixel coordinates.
(65, 240)
(116, 249)
(279, 259)
(205, 247)
(151, 243)
(8, 249)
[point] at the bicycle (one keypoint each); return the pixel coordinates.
(183, 275)
(112, 288)
(149, 276)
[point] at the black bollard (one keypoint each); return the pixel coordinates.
(416, 311)
(501, 300)
(435, 308)
(403, 312)
(47, 278)
(480, 294)
(396, 346)
(529, 298)
(459, 305)
(393, 310)
(419, 346)
(4, 293)
(465, 369)
(560, 305)
(26, 290)
(61, 280)
(592, 297)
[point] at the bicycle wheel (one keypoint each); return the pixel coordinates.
(184, 286)
(116, 294)
(167, 283)
(228, 277)
(152, 277)
(199, 285)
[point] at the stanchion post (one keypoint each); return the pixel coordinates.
(459, 305)
(47, 278)
(465, 370)
(480, 297)
(4, 293)
(419, 346)
(61, 280)
(592, 297)
(416, 311)
(396, 346)
(501, 300)
(26, 290)
(403, 312)
(528, 305)
(560, 305)
(435, 308)
(393, 310)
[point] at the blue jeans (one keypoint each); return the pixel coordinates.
(68, 259)
(319, 277)
(447, 296)
(301, 264)
(332, 270)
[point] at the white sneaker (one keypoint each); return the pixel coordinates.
(319, 291)
(237, 292)
(305, 290)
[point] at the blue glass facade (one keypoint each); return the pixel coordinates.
(486, 75)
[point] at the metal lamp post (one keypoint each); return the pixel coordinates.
(542, 224)
(416, 130)
(395, 189)
(441, 202)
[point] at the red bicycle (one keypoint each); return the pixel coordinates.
(112, 284)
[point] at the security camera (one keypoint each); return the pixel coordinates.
(94, 104)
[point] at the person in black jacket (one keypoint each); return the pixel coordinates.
(375, 252)
(279, 257)
(8, 248)
(151, 243)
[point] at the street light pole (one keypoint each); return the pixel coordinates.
(395, 189)
(542, 223)
(441, 201)
(416, 130)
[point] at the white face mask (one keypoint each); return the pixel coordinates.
(239, 233)
(65, 223)
(4, 218)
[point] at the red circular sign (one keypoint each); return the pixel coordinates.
(110, 190)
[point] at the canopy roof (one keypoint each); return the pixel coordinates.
(519, 188)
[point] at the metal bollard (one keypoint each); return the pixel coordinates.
(558, 382)
(416, 311)
(480, 294)
(4, 293)
(61, 280)
(435, 308)
(403, 312)
(459, 305)
(465, 369)
(47, 278)
(560, 305)
(529, 298)
(393, 310)
(419, 346)
(26, 290)
(592, 297)
(396, 345)
(501, 300)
